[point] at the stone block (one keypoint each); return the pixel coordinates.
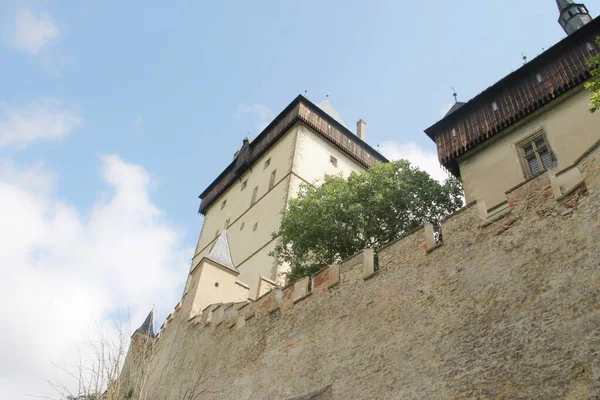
(429, 241)
(482, 209)
(368, 262)
(241, 321)
(275, 299)
(230, 316)
(320, 279)
(217, 316)
(334, 275)
(300, 289)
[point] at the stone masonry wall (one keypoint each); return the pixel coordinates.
(507, 310)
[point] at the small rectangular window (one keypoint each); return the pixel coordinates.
(223, 204)
(267, 163)
(255, 227)
(244, 184)
(272, 180)
(495, 106)
(536, 155)
(254, 194)
(333, 161)
(539, 77)
(589, 46)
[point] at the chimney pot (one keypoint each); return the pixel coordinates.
(361, 130)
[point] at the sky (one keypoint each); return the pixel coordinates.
(115, 116)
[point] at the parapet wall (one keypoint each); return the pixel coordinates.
(506, 308)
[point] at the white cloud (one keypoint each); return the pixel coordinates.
(62, 270)
(30, 32)
(139, 123)
(259, 114)
(34, 178)
(426, 160)
(44, 119)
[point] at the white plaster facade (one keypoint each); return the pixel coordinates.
(493, 168)
(300, 156)
(214, 284)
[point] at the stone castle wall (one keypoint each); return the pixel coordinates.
(507, 308)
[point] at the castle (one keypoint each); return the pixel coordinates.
(506, 307)
(243, 206)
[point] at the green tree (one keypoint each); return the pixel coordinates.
(594, 85)
(327, 223)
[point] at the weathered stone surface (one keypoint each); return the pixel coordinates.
(506, 311)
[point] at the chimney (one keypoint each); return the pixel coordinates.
(361, 130)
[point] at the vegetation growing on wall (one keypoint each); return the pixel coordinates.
(330, 222)
(594, 85)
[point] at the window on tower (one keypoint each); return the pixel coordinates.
(539, 77)
(333, 161)
(272, 179)
(535, 154)
(254, 194)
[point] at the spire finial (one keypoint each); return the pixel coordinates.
(455, 95)
(524, 58)
(572, 16)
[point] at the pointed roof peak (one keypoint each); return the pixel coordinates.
(562, 4)
(326, 106)
(221, 253)
(147, 327)
(454, 107)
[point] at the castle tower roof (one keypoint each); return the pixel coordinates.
(573, 16)
(455, 107)
(326, 106)
(322, 119)
(221, 253)
(147, 327)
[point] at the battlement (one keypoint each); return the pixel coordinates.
(480, 312)
(557, 191)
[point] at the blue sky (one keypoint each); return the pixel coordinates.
(114, 116)
(184, 72)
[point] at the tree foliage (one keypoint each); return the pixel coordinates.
(594, 85)
(327, 223)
